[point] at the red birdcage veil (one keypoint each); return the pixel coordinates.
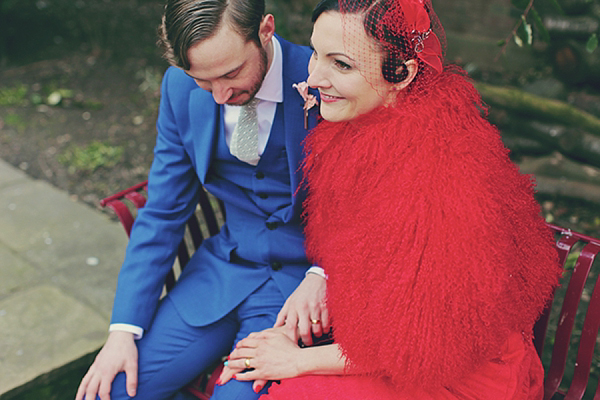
(401, 30)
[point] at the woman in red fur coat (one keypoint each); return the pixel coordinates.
(437, 260)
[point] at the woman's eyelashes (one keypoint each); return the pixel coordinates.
(342, 65)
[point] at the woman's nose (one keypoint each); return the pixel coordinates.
(316, 77)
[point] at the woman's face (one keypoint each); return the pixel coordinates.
(346, 67)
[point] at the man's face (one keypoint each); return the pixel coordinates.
(228, 66)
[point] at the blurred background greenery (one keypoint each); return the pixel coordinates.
(80, 79)
(79, 76)
(536, 63)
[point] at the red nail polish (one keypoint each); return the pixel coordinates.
(218, 381)
(235, 377)
(228, 357)
(257, 389)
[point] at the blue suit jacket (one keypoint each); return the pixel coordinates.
(188, 124)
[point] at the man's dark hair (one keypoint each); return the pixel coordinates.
(188, 22)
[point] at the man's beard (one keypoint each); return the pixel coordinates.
(260, 75)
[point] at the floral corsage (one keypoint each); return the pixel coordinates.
(310, 100)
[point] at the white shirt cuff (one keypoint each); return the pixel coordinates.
(136, 330)
(317, 271)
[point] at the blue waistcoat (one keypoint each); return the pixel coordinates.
(261, 213)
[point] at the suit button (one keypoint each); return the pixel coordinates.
(263, 196)
(276, 266)
(260, 175)
(271, 226)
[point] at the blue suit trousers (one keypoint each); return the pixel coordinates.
(172, 353)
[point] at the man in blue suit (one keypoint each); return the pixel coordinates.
(224, 55)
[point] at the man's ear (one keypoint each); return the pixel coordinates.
(266, 30)
(412, 67)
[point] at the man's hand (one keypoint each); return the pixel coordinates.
(118, 354)
(305, 306)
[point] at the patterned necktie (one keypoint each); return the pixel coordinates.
(244, 140)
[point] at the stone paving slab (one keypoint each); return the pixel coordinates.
(59, 261)
(42, 329)
(69, 243)
(21, 273)
(9, 174)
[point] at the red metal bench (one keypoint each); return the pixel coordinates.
(580, 312)
(554, 332)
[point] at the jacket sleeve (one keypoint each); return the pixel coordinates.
(158, 229)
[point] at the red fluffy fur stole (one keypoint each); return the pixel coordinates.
(432, 240)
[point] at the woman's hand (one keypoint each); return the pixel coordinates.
(266, 355)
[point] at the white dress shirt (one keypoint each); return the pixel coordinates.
(269, 94)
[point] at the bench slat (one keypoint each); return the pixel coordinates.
(566, 320)
(589, 333)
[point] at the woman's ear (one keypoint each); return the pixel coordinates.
(412, 67)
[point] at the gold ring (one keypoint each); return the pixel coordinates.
(315, 321)
(247, 362)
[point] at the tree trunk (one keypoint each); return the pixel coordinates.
(572, 142)
(528, 105)
(562, 27)
(560, 187)
(586, 102)
(560, 167)
(522, 146)
(574, 7)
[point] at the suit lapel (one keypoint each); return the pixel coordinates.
(204, 128)
(295, 61)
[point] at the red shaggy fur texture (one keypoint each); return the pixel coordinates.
(432, 240)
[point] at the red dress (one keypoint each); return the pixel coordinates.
(517, 375)
(438, 260)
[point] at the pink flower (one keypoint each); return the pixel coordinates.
(310, 100)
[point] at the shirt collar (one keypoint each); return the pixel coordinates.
(272, 86)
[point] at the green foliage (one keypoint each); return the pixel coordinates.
(6, 5)
(592, 43)
(39, 29)
(555, 6)
(529, 18)
(13, 96)
(571, 260)
(524, 34)
(15, 121)
(91, 157)
(539, 25)
(520, 4)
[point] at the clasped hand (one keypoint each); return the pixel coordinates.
(263, 356)
(274, 353)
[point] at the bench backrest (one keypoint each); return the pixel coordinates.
(206, 222)
(553, 333)
(566, 333)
